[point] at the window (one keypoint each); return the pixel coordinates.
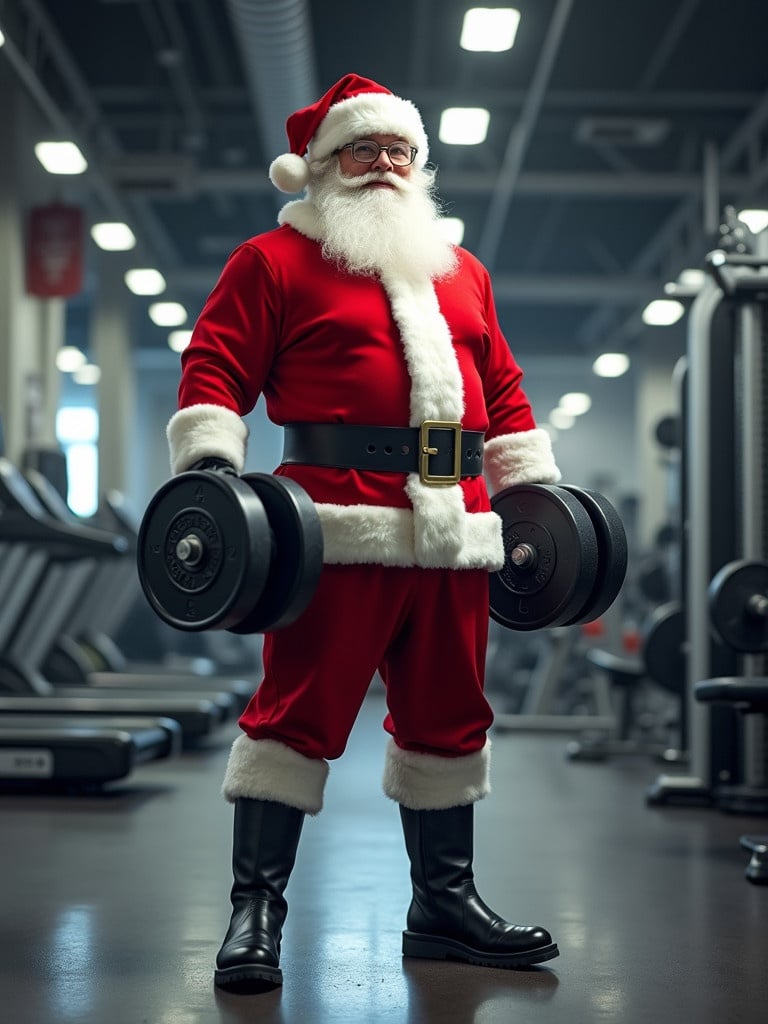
(77, 430)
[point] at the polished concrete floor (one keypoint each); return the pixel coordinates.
(113, 905)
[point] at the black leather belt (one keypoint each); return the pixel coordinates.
(439, 450)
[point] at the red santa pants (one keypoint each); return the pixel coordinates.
(425, 630)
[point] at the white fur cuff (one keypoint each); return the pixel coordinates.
(268, 770)
(200, 431)
(425, 782)
(522, 458)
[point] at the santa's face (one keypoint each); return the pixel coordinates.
(382, 164)
(380, 217)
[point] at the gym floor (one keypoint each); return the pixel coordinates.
(114, 904)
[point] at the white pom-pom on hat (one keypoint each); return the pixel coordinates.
(289, 172)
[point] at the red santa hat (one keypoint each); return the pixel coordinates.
(351, 109)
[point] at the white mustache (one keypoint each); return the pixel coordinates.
(360, 181)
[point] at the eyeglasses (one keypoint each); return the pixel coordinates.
(365, 152)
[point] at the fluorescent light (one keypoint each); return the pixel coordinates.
(61, 157)
(113, 236)
(561, 420)
(576, 403)
(167, 314)
(688, 284)
(145, 281)
(69, 358)
(2, 37)
(453, 229)
(692, 277)
(178, 340)
(663, 312)
(464, 126)
(756, 220)
(611, 364)
(88, 375)
(489, 29)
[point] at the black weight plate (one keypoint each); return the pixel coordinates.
(612, 553)
(730, 593)
(297, 554)
(664, 647)
(229, 524)
(554, 590)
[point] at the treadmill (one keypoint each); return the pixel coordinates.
(41, 752)
(38, 752)
(37, 600)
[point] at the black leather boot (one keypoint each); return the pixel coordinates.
(447, 920)
(266, 837)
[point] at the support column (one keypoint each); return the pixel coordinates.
(110, 347)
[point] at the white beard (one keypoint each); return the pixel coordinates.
(381, 231)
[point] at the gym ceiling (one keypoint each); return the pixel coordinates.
(618, 132)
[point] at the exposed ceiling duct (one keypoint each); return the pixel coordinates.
(275, 41)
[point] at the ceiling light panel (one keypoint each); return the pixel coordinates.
(464, 126)
(489, 29)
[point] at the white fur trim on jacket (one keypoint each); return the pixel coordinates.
(522, 458)
(268, 770)
(439, 533)
(376, 535)
(425, 782)
(200, 431)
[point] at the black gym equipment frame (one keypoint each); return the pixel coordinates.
(724, 518)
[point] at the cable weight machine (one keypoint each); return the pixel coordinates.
(724, 512)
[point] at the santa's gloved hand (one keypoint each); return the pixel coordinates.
(216, 464)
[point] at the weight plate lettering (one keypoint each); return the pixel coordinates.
(193, 577)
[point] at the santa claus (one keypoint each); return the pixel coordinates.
(376, 345)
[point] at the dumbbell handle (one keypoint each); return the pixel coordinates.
(757, 606)
(523, 556)
(189, 550)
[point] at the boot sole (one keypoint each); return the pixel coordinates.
(248, 978)
(434, 947)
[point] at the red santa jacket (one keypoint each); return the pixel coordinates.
(323, 345)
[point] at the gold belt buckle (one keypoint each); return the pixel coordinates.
(426, 450)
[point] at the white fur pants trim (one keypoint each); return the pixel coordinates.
(425, 782)
(268, 770)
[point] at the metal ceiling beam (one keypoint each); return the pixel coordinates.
(169, 41)
(634, 101)
(680, 18)
(521, 289)
(517, 144)
(87, 126)
(686, 223)
(598, 185)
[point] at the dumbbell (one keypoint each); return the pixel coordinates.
(738, 605)
(218, 551)
(565, 556)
